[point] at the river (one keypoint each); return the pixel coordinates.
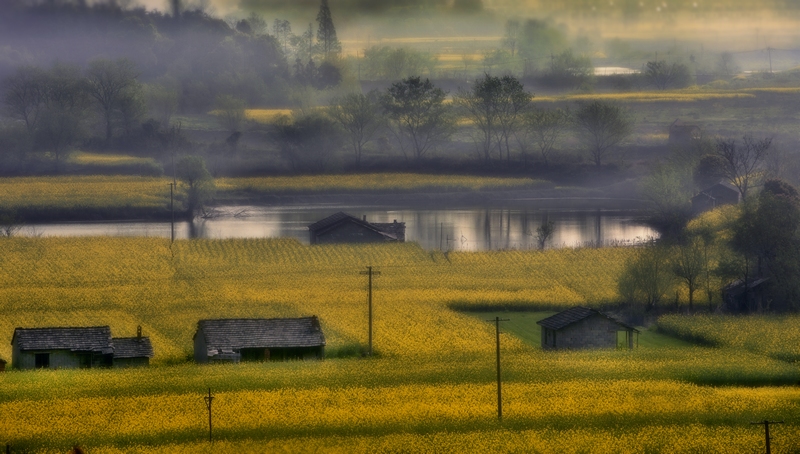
(471, 229)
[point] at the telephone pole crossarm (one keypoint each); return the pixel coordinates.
(766, 424)
(497, 321)
(370, 272)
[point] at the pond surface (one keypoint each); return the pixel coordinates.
(471, 229)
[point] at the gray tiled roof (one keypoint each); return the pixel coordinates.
(84, 339)
(332, 220)
(237, 333)
(574, 315)
(324, 224)
(396, 229)
(132, 347)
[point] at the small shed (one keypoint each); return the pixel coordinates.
(66, 348)
(132, 351)
(258, 339)
(581, 327)
(346, 228)
(718, 194)
(681, 133)
(741, 298)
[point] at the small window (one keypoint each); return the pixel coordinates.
(42, 360)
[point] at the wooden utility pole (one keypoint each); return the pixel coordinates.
(497, 321)
(208, 400)
(370, 273)
(766, 424)
(769, 52)
(172, 209)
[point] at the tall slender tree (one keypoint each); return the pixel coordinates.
(327, 41)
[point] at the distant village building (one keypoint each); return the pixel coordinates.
(258, 339)
(132, 351)
(70, 348)
(346, 228)
(722, 193)
(681, 133)
(580, 327)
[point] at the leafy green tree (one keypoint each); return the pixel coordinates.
(419, 117)
(360, 117)
(496, 105)
(197, 181)
(569, 70)
(646, 277)
(538, 41)
(329, 45)
(309, 142)
(668, 190)
(111, 84)
(601, 127)
(767, 238)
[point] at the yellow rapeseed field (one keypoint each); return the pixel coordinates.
(429, 389)
(83, 191)
(65, 192)
(372, 182)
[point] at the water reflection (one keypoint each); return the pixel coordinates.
(446, 229)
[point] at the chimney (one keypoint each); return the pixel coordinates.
(139, 332)
(365, 218)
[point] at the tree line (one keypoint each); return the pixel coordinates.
(739, 258)
(495, 112)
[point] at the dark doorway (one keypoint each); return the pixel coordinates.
(42, 360)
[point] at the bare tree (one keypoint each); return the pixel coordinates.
(544, 232)
(601, 127)
(9, 224)
(359, 115)
(24, 94)
(230, 112)
(66, 101)
(743, 162)
(688, 265)
(511, 38)
(545, 128)
(109, 83)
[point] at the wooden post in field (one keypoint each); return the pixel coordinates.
(766, 424)
(172, 209)
(370, 273)
(208, 400)
(497, 321)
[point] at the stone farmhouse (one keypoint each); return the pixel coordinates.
(580, 327)
(258, 339)
(81, 347)
(346, 228)
(722, 193)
